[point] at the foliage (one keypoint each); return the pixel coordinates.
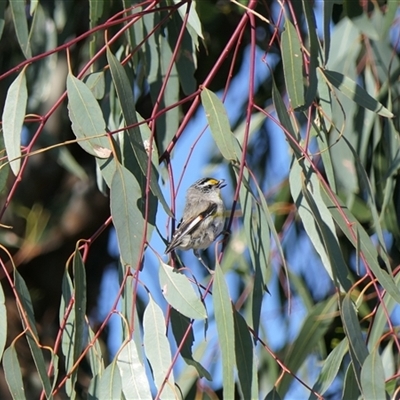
(97, 96)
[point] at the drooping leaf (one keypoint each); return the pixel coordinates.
(358, 348)
(110, 383)
(21, 26)
(293, 65)
(372, 377)
(31, 335)
(127, 218)
(330, 368)
(3, 318)
(318, 222)
(244, 356)
(12, 373)
(13, 119)
(179, 292)
(360, 240)
(313, 329)
(226, 331)
(355, 92)
(158, 350)
(124, 91)
(219, 124)
(180, 325)
(87, 119)
(134, 380)
(350, 385)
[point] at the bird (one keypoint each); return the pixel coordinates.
(203, 218)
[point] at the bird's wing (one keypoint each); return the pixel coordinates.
(186, 227)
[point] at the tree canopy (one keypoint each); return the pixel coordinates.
(110, 110)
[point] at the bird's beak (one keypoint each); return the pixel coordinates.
(221, 184)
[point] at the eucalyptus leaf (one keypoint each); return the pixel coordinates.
(13, 119)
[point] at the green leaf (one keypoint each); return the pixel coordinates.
(72, 338)
(193, 20)
(360, 240)
(314, 327)
(244, 356)
(12, 373)
(133, 373)
(353, 332)
(355, 92)
(180, 326)
(110, 383)
(273, 395)
(315, 53)
(379, 322)
(33, 6)
(186, 61)
(95, 356)
(68, 338)
(96, 11)
(96, 83)
(166, 124)
(327, 11)
(292, 58)
(373, 377)
(318, 222)
(130, 313)
(36, 351)
(330, 368)
(256, 223)
(350, 386)
(3, 318)
(284, 119)
(226, 331)
(157, 349)
(179, 292)
(13, 119)
(125, 94)
(128, 221)
(87, 119)
(21, 26)
(219, 124)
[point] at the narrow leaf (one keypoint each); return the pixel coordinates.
(13, 119)
(3, 318)
(284, 119)
(293, 65)
(373, 377)
(133, 373)
(124, 91)
(157, 349)
(353, 333)
(180, 327)
(226, 331)
(179, 292)
(219, 124)
(330, 368)
(327, 11)
(12, 372)
(128, 220)
(21, 26)
(360, 240)
(244, 355)
(350, 385)
(312, 331)
(318, 222)
(355, 92)
(87, 119)
(110, 385)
